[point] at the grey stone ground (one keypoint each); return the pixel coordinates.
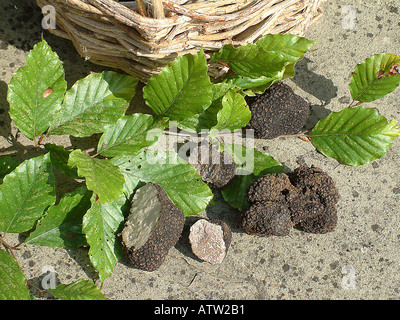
(300, 266)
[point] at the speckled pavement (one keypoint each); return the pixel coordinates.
(359, 260)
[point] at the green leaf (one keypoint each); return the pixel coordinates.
(130, 134)
(291, 46)
(102, 176)
(257, 85)
(178, 178)
(59, 159)
(375, 77)
(227, 111)
(7, 164)
(101, 224)
(252, 61)
(12, 280)
(25, 194)
(204, 121)
(354, 136)
(78, 290)
(181, 90)
(93, 103)
(220, 89)
(36, 91)
(62, 224)
(235, 114)
(235, 193)
(252, 164)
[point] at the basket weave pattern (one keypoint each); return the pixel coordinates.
(115, 34)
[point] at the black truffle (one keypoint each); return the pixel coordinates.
(271, 187)
(216, 168)
(153, 227)
(319, 197)
(278, 111)
(322, 223)
(267, 219)
(308, 195)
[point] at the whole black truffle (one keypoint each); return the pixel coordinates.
(321, 223)
(153, 227)
(308, 195)
(319, 197)
(267, 219)
(315, 183)
(271, 187)
(278, 111)
(216, 168)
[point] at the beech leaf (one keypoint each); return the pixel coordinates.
(36, 91)
(130, 134)
(354, 136)
(78, 290)
(375, 77)
(179, 179)
(101, 224)
(182, 89)
(93, 103)
(62, 224)
(102, 176)
(12, 279)
(25, 194)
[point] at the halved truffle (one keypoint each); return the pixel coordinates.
(152, 228)
(210, 240)
(278, 111)
(216, 168)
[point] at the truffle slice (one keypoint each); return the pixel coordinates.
(153, 226)
(279, 111)
(210, 240)
(267, 219)
(217, 169)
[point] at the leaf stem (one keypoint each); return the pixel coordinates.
(9, 247)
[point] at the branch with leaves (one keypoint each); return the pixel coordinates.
(183, 93)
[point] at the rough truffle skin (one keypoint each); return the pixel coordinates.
(309, 195)
(322, 223)
(320, 196)
(313, 181)
(217, 170)
(278, 111)
(267, 219)
(166, 234)
(271, 187)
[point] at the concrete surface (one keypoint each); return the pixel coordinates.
(365, 245)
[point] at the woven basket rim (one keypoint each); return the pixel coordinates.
(115, 34)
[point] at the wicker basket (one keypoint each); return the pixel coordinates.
(141, 37)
